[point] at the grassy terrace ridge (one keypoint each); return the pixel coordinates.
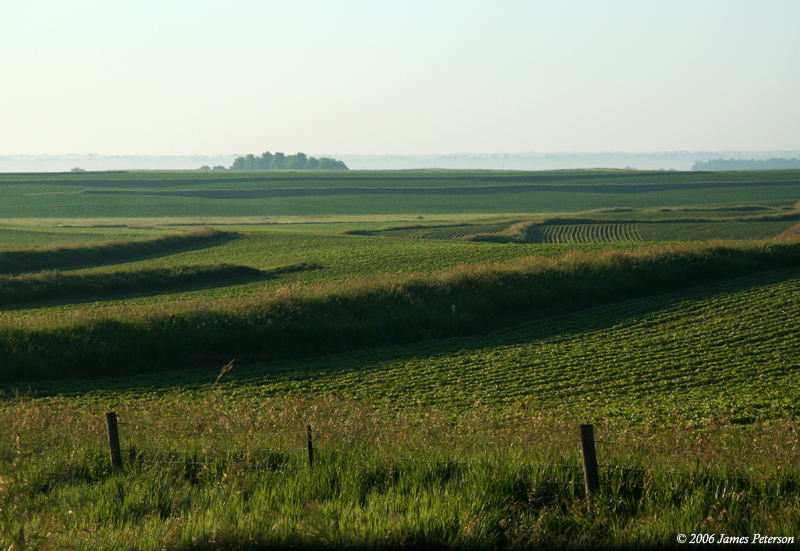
(382, 311)
(17, 261)
(718, 354)
(55, 285)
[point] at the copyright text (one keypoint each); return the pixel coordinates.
(726, 538)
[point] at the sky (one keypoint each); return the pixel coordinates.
(398, 77)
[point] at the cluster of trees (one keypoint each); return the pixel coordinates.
(278, 161)
(752, 164)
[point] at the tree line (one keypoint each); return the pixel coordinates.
(752, 164)
(279, 161)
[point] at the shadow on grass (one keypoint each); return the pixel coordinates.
(20, 261)
(54, 288)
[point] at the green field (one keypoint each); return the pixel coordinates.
(443, 332)
(277, 193)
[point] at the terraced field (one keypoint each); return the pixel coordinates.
(329, 258)
(725, 353)
(335, 294)
(599, 232)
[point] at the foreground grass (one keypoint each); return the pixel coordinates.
(209, 472)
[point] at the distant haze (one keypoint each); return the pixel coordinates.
(438, 77)
(675, 160)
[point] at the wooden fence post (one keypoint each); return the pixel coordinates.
(310, 449)
(589, 456)
(113, 440)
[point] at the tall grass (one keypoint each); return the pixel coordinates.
(210, 473)
(293, 322)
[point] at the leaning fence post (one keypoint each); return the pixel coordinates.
(113, 440)
(310, 449)
(589, 456)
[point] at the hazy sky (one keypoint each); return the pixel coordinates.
(173, 77)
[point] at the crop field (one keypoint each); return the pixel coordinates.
(713, 230)
(598, 232)
(586, 233)
(19, 237)
(276, 193)
(656, 232)
(459, 231)
(443, 333)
